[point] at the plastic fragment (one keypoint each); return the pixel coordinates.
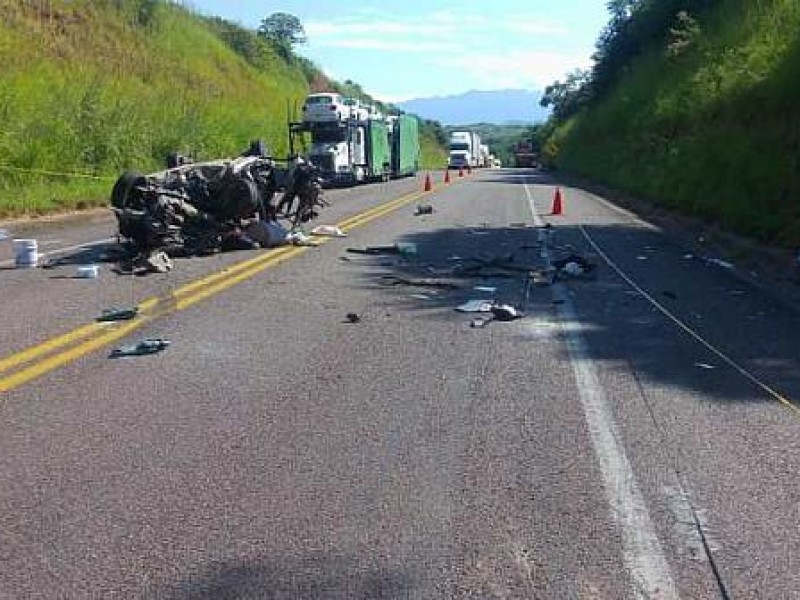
(476, 306)
(146, 346)
(118, 314)
(328, 231)
(506, 312)
(720, 263)
(706, 366)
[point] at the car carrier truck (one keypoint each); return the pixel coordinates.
(361, 146)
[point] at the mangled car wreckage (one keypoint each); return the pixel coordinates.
(205, 207)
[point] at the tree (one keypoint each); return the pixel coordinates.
(568, 97)
(284, 31)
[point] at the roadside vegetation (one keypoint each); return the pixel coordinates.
(110, 85)
(694, 104)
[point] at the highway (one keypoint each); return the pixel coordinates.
(635, 435)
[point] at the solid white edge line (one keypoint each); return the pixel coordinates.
(643, 554)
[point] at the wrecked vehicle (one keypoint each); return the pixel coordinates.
(201, 208)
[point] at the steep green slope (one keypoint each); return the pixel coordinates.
(96, 87)
(710, 125)
(89, 88)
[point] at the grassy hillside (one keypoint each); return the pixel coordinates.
(92, 87)
(104, 88)
(707, 122)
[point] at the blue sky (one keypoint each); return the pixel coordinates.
(412, 48)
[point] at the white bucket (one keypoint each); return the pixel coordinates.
(26, 253)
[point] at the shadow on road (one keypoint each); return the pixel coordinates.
(309, 579)
(618, 322)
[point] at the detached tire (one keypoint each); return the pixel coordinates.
(122, 188)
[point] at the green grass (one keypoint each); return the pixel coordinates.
(97, 94)
(714, 133)
(433, 155)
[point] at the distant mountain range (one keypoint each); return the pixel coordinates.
(496, 106)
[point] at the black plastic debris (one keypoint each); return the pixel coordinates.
(118, 314)
(352, 318)
(670, 295)
(145, 347)
(423, 209)
(402, 249)
(506, 312)
(419, 282)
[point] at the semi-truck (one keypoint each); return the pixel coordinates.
(524, 155)
(465, 150)
(362, 146)
(346, 152)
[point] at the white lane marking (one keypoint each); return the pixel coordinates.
(643, 554)
(11, 262)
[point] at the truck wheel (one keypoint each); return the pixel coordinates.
(122, 188)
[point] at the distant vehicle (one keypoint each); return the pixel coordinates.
(484, 156)
(524, 155)
(356, 110)
(326, 107)
(464, 150)
(353, 142)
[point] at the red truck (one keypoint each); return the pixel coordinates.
(524, 155)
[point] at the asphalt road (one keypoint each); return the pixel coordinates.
(633, 436)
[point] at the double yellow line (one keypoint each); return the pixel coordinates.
(21, 367)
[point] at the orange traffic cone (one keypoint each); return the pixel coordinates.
(447, 176)
(460, 171)
(558, 208)
(428, 184)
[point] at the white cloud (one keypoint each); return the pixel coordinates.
(440, 26)
(518, 69)
(394, 45)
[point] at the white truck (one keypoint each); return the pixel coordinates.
(465, 150)
(486, 156)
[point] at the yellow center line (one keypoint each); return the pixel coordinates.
(102, 334)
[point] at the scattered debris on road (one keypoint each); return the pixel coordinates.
(404, 249)
(419, 282)
(328, 231)
(479, 323)
(720, 263)
(118, 314)
(352, 318)
(485, 288)
(670, 295)
(146, 346)
(476, 306)
(506, 312)
(706, 366)
(87, 272)
(423, 209)
(573, 266)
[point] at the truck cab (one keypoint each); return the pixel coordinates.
(462, 152)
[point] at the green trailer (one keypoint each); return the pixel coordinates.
(378, 152)
(404, 137)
